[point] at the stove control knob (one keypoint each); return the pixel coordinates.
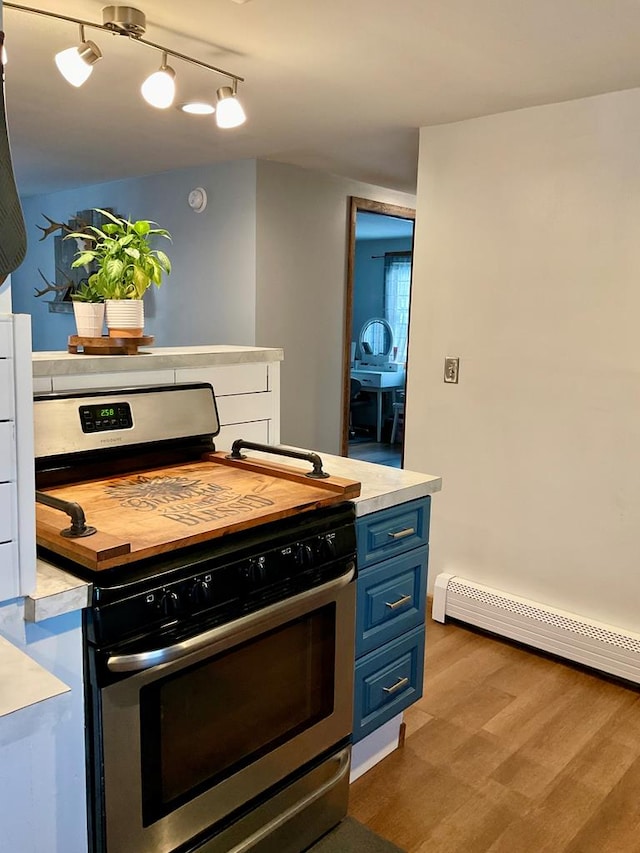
(169, 603)
(327, 547)
(201, 593)
(258, 570)
(304, 556)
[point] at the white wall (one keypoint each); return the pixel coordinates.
(302, 231)
(527, 267)
(209, 298)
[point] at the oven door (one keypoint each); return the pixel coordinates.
(198, 732)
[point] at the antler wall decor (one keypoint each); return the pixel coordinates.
(54, 288)
(67, 279)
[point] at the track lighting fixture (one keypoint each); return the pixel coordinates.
(159, 89)
(76, 63)
(229, 112)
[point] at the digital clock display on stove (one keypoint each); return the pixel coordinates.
(106, 416)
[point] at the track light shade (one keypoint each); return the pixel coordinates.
(76, 63)
(229, 112)
(159, 89)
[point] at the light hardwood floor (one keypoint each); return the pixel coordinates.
(508, 752)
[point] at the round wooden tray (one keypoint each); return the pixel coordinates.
(107, 346)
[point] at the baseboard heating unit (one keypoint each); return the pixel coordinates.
(568, 635)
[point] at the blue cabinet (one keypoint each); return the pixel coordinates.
(392, 531)
(390, 616)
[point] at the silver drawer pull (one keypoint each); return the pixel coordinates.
(398, 603)
(408, 531)
(400, 683)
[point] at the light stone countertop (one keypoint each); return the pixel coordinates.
(381, 486)
(58, 592)
(151, 358)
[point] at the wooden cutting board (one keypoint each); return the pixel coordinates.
(143, 514)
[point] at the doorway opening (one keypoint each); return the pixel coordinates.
(380, 262)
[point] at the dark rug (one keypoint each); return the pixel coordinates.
(352, 837)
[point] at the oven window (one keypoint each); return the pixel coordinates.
(210, 720)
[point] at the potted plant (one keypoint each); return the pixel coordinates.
(88, 309)
(127, 266)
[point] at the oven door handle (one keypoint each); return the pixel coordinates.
(290, 607)
(343, 760)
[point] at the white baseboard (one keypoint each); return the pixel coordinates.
(569, 635)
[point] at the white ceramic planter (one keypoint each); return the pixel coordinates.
(125, 318)
(89, 318)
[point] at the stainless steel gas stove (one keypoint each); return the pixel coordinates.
(219, 646)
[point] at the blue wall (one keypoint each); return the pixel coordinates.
(210, 296)
(368, 279)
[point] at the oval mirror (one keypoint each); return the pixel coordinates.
(376, 338)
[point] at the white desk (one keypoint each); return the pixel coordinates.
(380, 382)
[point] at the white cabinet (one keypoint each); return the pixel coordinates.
(248, 400)
(7, 451)
(128, 379)
(7, 401)
(17, 508)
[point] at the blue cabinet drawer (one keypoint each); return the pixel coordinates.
(387, 681)
(391, 599)
(393, 531)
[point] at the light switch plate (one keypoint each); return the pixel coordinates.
(451, 369)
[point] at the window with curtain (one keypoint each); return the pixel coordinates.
(397, 285)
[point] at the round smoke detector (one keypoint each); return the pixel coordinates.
(197, 199)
